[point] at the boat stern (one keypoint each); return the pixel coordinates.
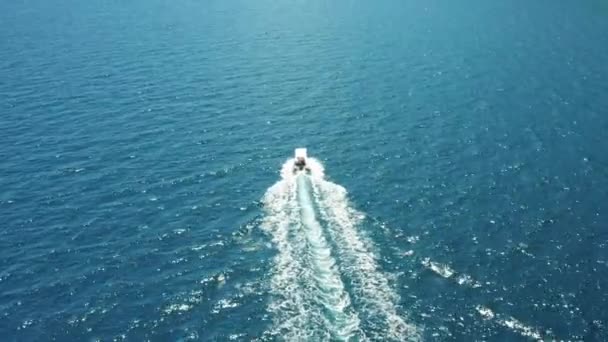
(300, 159)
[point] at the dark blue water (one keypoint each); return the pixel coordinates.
(140, 142)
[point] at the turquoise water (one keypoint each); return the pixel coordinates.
(464, 192)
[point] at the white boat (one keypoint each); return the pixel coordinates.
(300, 159)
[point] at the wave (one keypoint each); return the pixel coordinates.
(510, 323)
(447, 272)
(319, 248)
(291, 317)
(331, 294)
(309, 299)
(372, 289)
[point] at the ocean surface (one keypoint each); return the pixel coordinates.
(458, 186)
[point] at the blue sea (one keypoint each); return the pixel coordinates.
(458, 183)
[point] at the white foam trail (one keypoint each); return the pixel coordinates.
(372, 288)
(332, 295)
(292, 320)
(309, 299)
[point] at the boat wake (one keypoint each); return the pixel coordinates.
(326, 283)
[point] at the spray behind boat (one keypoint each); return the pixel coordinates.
(327, 283)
